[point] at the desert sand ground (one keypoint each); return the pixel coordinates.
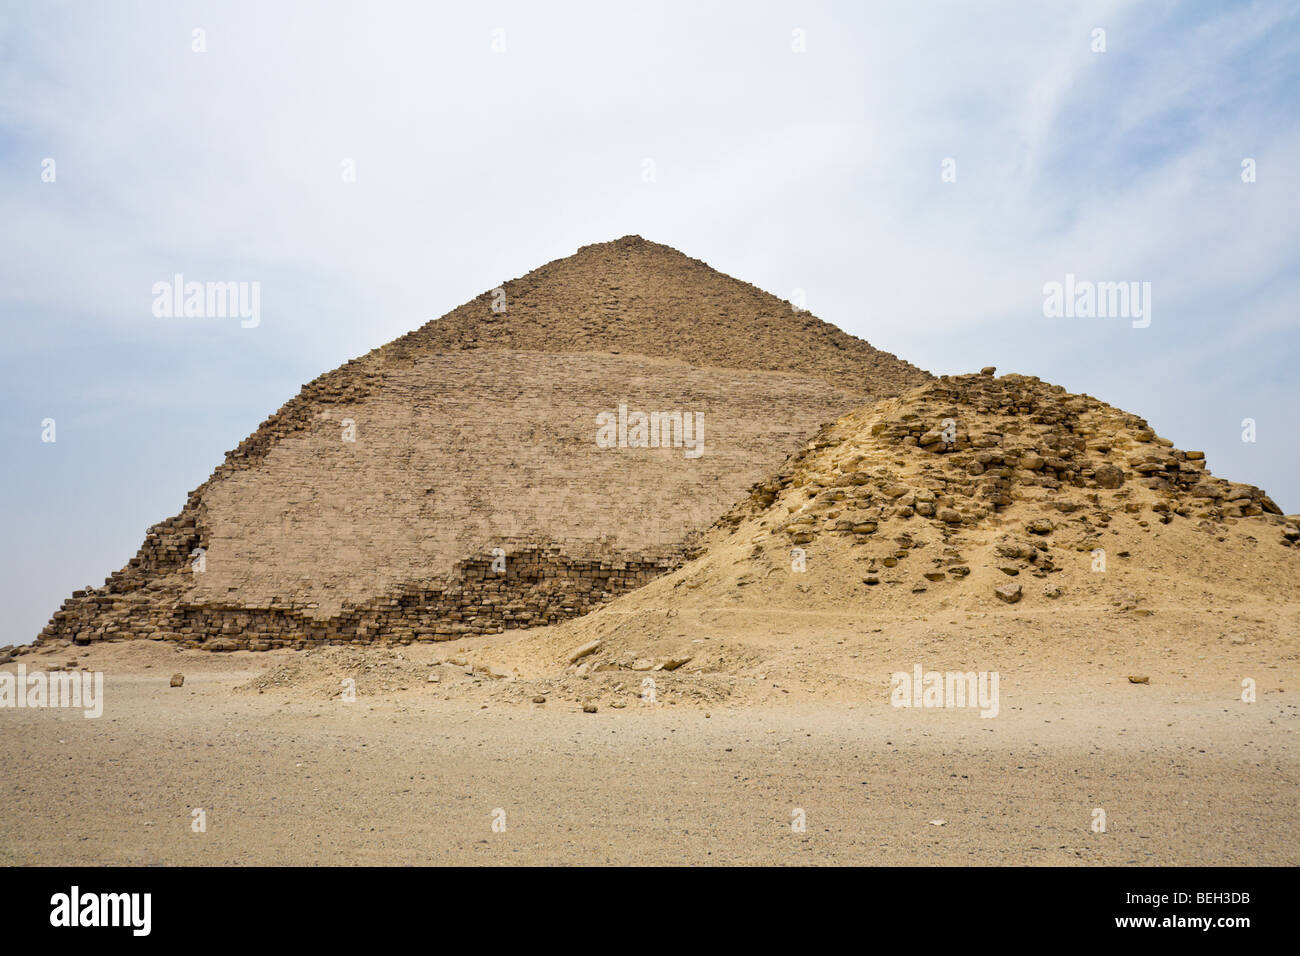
(287, 771)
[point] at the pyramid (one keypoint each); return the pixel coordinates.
(490, 469)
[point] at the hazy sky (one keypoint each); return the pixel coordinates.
(818, 170)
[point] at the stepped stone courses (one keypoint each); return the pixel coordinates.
(537, 588)
(475, 432)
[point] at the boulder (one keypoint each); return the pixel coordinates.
(583, 651)
(1109, 476)
(1010, 593)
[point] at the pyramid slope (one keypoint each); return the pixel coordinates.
(629, 296)
(640, 297)
(476, 433)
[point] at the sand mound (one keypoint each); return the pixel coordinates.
(1006, 498)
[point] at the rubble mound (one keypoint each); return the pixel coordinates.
(976, 494)
(966, 449)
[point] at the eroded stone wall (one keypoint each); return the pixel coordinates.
(522, 590)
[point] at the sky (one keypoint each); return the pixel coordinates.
(921, 171)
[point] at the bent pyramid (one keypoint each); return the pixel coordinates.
(454, 480)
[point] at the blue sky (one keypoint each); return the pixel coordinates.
(817, 171)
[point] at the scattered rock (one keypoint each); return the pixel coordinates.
(178, 680)
(1011, 548)
(1010, 593)
(1139, 679)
